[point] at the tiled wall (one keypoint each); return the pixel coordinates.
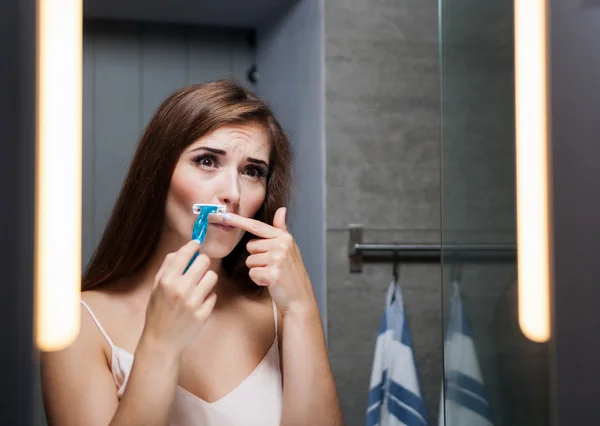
(383, 108)
(383, 171)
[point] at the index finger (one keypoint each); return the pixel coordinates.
(253, 226)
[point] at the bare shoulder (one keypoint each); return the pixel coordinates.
(101, 299)
(89, 339)
(89, 343)
(119, 311)
(267, 306)
(102, 308)
(80, 371)
(256, 310)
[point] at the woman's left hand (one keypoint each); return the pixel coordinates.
(275, 262)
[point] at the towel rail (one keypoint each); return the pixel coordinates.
(360, 252)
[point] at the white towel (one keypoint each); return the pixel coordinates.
(395, 392)
(466, 403)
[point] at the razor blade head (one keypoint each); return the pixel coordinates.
(220, 209)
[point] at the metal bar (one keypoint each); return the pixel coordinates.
(360, 252)
(429, 253)
(433, 249)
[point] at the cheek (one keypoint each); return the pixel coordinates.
(185, 188)
(182, 195)
(254, 199)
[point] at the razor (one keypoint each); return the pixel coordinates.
(201, 224)
(211, 208)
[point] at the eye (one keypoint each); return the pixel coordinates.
(206, 161)
(255, 172)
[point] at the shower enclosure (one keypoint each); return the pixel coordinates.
(494, 375)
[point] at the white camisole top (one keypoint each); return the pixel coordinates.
(257, 401)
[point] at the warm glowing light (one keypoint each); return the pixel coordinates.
(58, 173)
(532, 139)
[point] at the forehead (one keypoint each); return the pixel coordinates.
(243, 138)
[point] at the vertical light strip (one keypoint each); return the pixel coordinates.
(532, 168)
(58, 173)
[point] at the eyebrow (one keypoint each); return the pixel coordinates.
(223, 153)
(213, 150)
(257, 161)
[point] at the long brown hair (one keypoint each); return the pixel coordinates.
(136, 222)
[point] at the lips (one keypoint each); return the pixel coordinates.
(223, 227)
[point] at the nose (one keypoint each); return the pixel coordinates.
(229, 191)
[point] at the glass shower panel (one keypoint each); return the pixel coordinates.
(493, 374)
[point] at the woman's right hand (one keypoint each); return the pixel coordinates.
(180, 303)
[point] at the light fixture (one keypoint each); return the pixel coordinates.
(58, 173)
(532, 168)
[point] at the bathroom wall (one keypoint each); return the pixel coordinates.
(290, 60)
(382, 111)
(128, 70)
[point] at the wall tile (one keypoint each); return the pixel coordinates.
(382, 134)
(411, 21)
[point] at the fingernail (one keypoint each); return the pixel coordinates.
(227, 216)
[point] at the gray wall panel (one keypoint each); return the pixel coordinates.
(17, 162)
(575, 128)
(116, 118)
(223, 13)
(290, 60)
(129, 69)
(88, 161)
(241, 57)
(208, 61)
(163, 66)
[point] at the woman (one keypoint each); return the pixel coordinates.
(235, 340)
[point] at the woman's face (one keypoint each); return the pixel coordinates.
(228, 166)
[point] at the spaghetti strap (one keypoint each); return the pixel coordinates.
(98, 323)
(275, 315)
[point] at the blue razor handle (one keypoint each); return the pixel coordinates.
(201, 225)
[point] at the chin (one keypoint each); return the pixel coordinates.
(216, 249)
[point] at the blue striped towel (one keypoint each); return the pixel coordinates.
(395, 391)
(465, 400)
